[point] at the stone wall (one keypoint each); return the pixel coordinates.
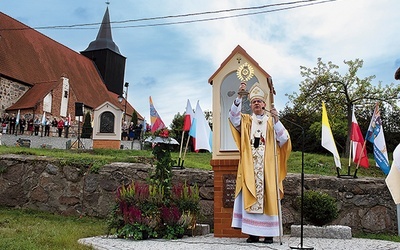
(10, 92)
(41, 183)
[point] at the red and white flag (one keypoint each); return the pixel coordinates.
(359, 150)
(187, 120)
(201, 131)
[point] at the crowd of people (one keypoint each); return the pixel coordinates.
(27, 125)
(131, 131)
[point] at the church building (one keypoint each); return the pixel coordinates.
(41, 76)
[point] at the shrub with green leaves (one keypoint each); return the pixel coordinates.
(319, 208)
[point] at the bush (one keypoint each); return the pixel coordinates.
(318, 208)
(158, 208)
(87, 129)
(144, 211)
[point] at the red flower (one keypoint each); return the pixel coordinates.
(170, 215)
(164, 133)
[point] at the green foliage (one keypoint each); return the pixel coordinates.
(173, 232)
(162, 176)
(340, 92)
(136, 231)
(87, 129)
(144, 210)
(34, 230)
(134, 118)
(177, 126)
(318, 208)
(388, 237)
(156, 208)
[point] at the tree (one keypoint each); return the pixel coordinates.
(209, 116)
(87, 129)
(134, 118)
(177, 127)
(340, 92)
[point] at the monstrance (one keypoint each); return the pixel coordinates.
(244, 73)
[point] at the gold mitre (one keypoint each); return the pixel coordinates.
(257, 92)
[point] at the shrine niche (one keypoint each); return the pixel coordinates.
(237, 67)
(107, 126)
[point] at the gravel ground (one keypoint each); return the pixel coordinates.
(209, 242)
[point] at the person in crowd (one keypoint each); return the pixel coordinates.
(138, 130)
(54, 124)
(4, 123)
(22, 125)
(124, 129)
(30, 125)
(47, 127)
(60, 126)
(131, 132)
(260, 138)
(12, 122)
(36, 124)
(66, 127)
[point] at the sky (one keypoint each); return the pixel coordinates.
(172, 63)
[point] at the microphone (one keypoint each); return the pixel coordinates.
(269, 111)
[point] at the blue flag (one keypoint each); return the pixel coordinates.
(375, 136)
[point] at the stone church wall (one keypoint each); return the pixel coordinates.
(40, 183)
(10, 92)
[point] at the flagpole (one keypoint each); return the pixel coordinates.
(277, 184)
(359, 160)
(184, 154)
(180, 150)
(350, 152)
(351, 145)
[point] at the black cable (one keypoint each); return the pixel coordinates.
(79, 26)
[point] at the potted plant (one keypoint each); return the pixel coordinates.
(136, 213)
(156, 208)
(187, 198)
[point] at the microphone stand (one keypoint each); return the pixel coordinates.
(302, 184)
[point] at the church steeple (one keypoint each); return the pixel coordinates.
(104, 37)
(106, 55)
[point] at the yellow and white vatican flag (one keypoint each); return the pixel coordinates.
(327, 140)
(393, 178)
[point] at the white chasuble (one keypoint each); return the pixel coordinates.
(258, 135)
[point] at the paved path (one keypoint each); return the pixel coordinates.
(209, 242)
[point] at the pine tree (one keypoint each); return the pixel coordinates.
(87, 129)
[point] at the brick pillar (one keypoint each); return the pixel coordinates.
(223, 214)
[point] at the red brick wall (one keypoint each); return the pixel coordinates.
(223, 215)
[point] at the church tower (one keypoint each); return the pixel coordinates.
(105, 54)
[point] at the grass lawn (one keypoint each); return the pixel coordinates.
(34, 230)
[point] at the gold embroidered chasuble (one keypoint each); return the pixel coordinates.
(246, 181)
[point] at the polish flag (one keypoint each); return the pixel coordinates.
(359, 150)
(187, 120)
